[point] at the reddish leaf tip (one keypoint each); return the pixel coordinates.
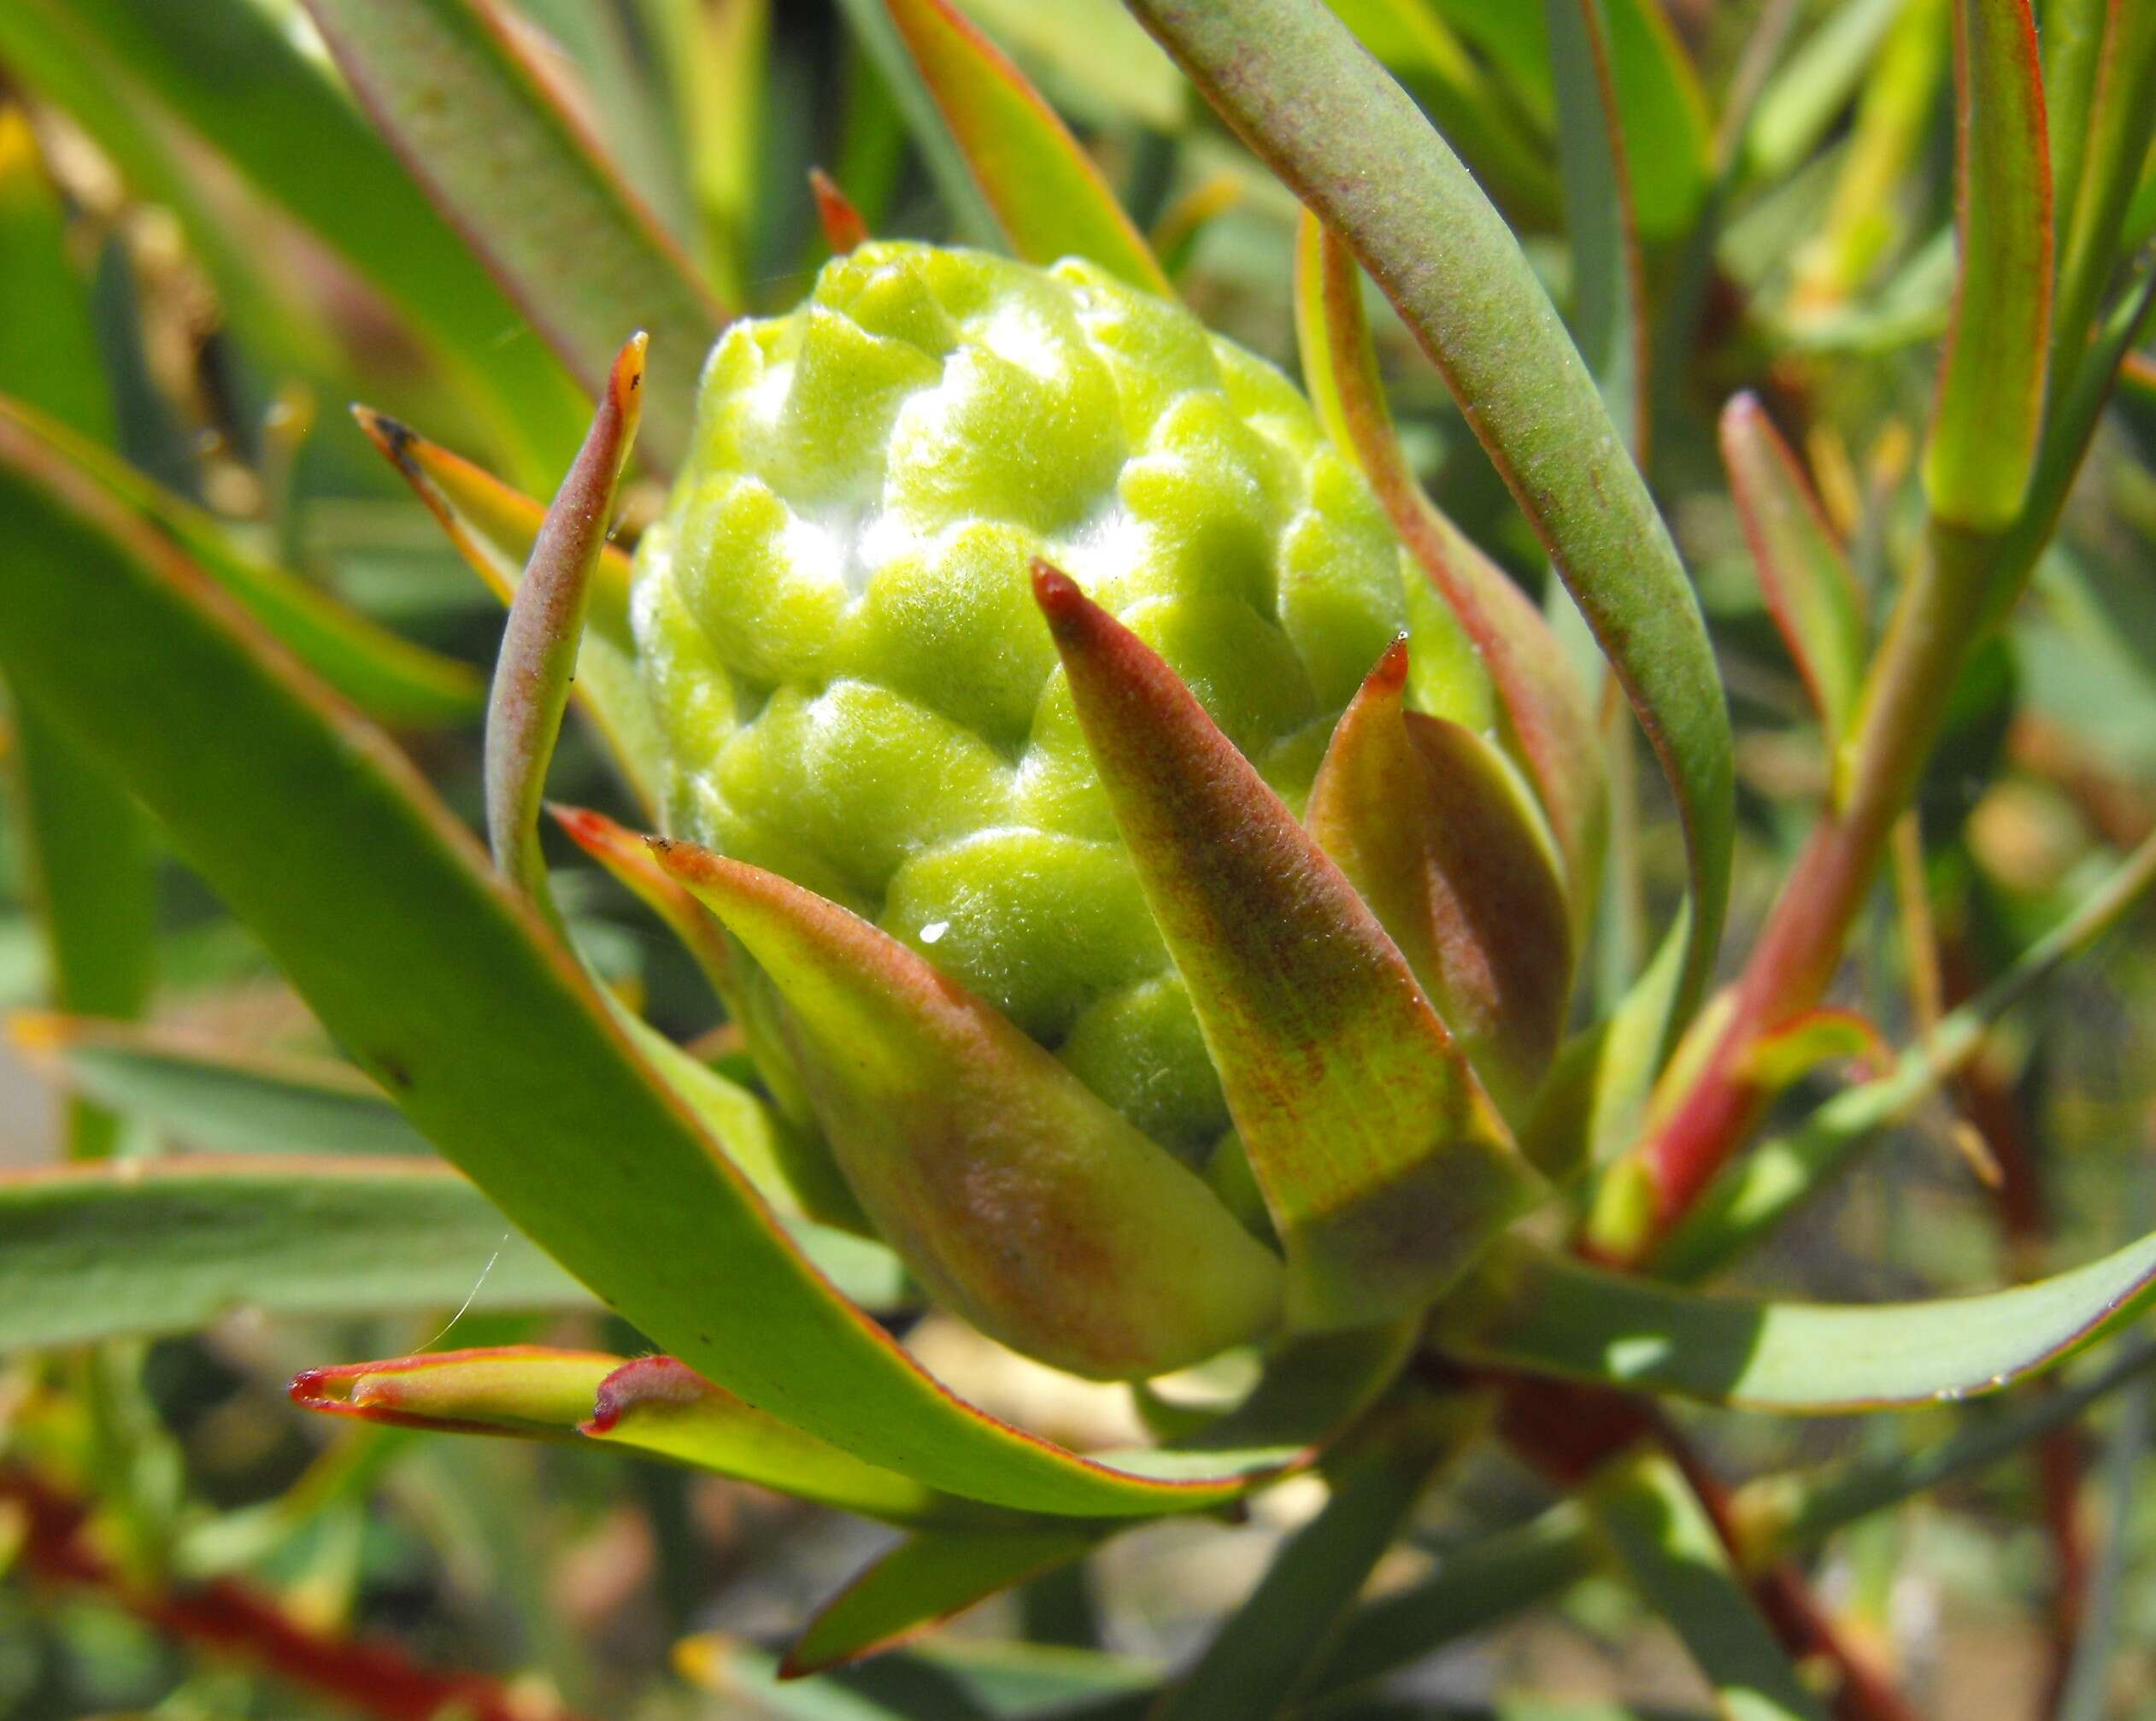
(1057, 594)
(647, 1380)
(843, 227)
(1389, 675)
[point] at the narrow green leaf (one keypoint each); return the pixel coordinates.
(216, 1096)
(1662, 1536)
(233, 76)
(1810, 589)
(1384, 1163)
(1609, 282)
(1049, 199)
(480, 127)
(1290, 79)
(388, 921)
(1668, 138)
(1545, 720)
(539, 645)
(1805, 95)
(1988, 416)
(1259, 1662)
(1757, 1191)
(390, 679)
(1023, 1200)
(494, 528)
(652, 1405)
(1538, 1311)
(714, 63)
(156, 1246)
(1436, 834)
(884, 50)
(925, 1580)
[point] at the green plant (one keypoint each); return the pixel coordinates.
(1177, 901)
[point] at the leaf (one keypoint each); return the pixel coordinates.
(1291, 81)
(1259, 1663)
(843, 227)
(538, 658)
(1534, 1311)
(1434, 832)
(925, 1580)
(483, 131)
(156, 1246)
(1023, 1200)
(386, 917)
(1383, 1163)
(1609, 283)
(1546, 720)
(1048, 198)
(389, 677)
(1662, 1536)
(652, 1405)
(1784, 1056)
(218, 1095)
(957, 189)
(494, 528)
(1989, 415)
(1667, 136)
(1810, 589)
(233, 76)
(1757, 1191)
(945, 1679)
(1810, 90)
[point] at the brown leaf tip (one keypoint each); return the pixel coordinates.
(392, 436)
(646, 1381)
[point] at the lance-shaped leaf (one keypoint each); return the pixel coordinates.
(1988, 417)
(161, 1245)
(1663, 1538)
(216, 1095)
(925, 1580)
(1384, 1166)
(1023, 1200)
(389, 921)
(484, 132)
(1546, 718)
(390, 679)
(494, 528)
(1048, 196)
(538, 653)
(1349, 141)
(653, 1404)
(1810, 589)
(1429, 824)
(1532, 1310)
(1259, 1663)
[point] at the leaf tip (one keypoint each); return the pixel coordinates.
(843, 225)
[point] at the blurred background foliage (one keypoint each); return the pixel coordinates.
(246, 266)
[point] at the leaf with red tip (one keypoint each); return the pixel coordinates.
(1384, 1163)
(1047, 195)
(843, 227)
(627, 856)
(483, 129)
(1429, 824)
(494, 528)
(1806, 580)
(654, 1404)
(1792, 1051)
(1021, 1199)
(923, 1581)
(1547, 719)
(538, 653)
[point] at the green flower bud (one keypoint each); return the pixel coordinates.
(857, 688)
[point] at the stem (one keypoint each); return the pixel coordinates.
(232, 1620)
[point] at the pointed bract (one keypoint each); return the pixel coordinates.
(1426, 820)
(1021, 1199)
(1384, 1163)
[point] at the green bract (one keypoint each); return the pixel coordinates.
(857, 690)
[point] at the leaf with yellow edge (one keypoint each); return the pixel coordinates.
(1430, 825)
(1384, 1166)
(493, 527)
(1047, 195)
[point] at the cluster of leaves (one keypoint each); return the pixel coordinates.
(1907, 232)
